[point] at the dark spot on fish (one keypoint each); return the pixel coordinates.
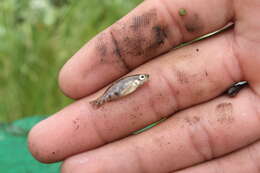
(193, 23)
(143, 20)
(224, 112)
(117, 52)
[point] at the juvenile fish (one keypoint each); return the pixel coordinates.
(235, 88)
(121, 88)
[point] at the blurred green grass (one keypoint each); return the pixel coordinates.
(37, 37)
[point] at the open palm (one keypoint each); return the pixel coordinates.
(205, 131)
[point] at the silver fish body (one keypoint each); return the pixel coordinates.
(121, 88)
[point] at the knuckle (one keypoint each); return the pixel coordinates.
(200, 138)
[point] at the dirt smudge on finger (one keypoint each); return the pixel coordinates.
(224, 113)
(142, 38)
(140, 22)
(193, 23)
(159, 35)
(182, 77)
(76, 123)
(117, 52)
(101, 47)
(192, 120)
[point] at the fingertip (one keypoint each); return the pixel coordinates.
(77, 78)
(69, 165)
(66, 85)
(37, 146)
(82, 163)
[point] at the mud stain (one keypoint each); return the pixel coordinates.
(193, 23)
(117, 52)
(159, 34)
(192, 120)
(182, 77)
(143, 37)
(101, 47)
(140, 22)
(224, 113)
(76, 124)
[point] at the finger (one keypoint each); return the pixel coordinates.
(178, 80)
(192, 136)
(152, 28)
(247, 40)
(245, 160)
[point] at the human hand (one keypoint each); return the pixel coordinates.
(205, 133)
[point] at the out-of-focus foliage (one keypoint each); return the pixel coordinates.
(37, 37)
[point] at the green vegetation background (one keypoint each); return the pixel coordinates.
(37, 38)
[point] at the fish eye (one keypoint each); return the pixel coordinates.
(142, 77)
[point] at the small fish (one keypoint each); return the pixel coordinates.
(235, 88)
(121, 88)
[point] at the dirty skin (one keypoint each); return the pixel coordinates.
(224, 113)
(139, 39)
(139, 22)
(192, 21)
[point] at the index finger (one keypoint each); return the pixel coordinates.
(151, 29)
